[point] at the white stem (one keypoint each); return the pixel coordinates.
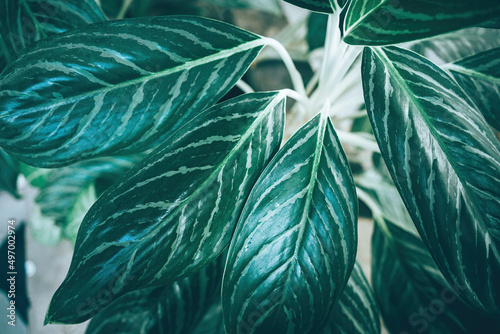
(123, 10)
(246, 88)
(332, 40)
(295, 95)
(297, 81)
(358, 140)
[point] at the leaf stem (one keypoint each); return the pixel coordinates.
(297, 81)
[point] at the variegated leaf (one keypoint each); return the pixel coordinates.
(175, 211)
(479, 76)
(295, 244)
(23, 22)
(456, 45)
(322, 6)
(382, 22)
(59, 192)
(356, 311)
(132, 84)
(413, 295)
(176, 308)
(445, 162)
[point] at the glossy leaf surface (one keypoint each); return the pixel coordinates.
(295, 243)
(132, 84)
(445, 162)
(172, 309)
(456, 45)
(412, 293)
(375, 22)
(181, 201)
(356, 311)
(479, 76)
(23, 22)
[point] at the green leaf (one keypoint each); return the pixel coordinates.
(445, 162)
(316, 30)
(375, 22)
(356, 312)
(128, 75)
(175, 211)
(295, 244)
(176, 308)
(9, 170)
(479, 76)
(322, 6)
(23, 22)
(62, 186)
(456, 45)
(44, 229)
(413, 295)
(83, 202)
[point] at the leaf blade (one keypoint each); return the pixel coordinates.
(431, 142)
(370, 22)
(295, 243)
(183, 198)
(121, 78)
(479, 76)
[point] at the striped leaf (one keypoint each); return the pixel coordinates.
(356, 312)
(295, 244)
(456, 45)
(322, 6)
(445, 162)
(413, 295)
(175, 211)
(128, 75)
(62, 185)
(479, 76)
(176, 308)
(9, 171)
(23, 22)
(382, 22)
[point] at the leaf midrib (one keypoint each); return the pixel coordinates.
(312, 185)
(250, 131)
(188, 65)
(434, 134)
(469, 72)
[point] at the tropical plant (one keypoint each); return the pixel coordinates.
(190, 210)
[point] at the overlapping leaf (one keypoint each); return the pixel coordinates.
(181, 202)
(323, 6)
(479, 76)
(445, 162)
(133, 83)
(456, 45)
(176, 308)
(356, 311)
(295, 244)
(375, 22)
(23, 22)
(413, 295)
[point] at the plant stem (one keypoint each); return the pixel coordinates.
(246, 88)
(297, 81)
